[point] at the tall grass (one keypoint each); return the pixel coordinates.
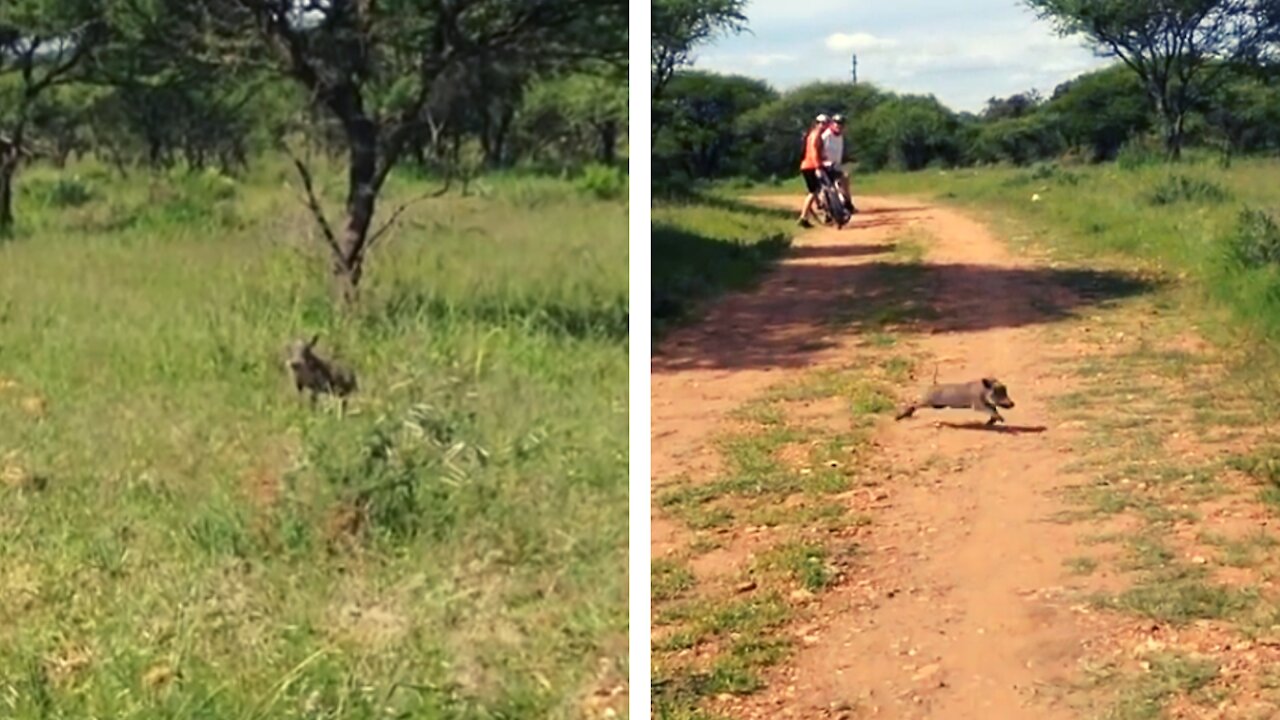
(705, 246)
(1200, 221)
(201, 544)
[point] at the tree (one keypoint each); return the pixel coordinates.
(701, 136)
(1017, 140)
(574, 119)
(1178, 48)
(372, 66)
(1244, 114)
(44, 44)
(681, 25)
(1100, 111)
(1014, 106)
(909, 133)
(771, 137)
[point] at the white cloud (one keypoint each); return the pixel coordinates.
(768, 59)
(859, 42)
(962, 52)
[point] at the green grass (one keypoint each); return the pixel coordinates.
(1082, 565)
(706, 246)
(201, 544)
(1167, 675)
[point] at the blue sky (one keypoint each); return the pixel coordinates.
(962, 51)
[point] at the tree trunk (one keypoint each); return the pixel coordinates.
(348, 268)
(609, 142)
(7, 171)
(1174, 130)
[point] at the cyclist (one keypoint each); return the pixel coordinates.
(833, 158)
(811, 165)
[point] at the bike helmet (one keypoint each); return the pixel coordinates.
(822, 117)
(837, 119)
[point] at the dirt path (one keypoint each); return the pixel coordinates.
(959, 611)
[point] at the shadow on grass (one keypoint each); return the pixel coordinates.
(755, 209)
(804, 308)
(689, 268)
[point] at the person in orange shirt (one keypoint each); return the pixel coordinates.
(811, 164)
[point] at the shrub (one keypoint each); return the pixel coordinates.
(1256, 241)
(63, 193)
(1139, 152)
(1179, 188)
(603, 182)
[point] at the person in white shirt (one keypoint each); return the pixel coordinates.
(833, 157)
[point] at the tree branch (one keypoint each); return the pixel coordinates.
(313, 203)
(373, 239)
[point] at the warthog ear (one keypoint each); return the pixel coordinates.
(312, 342)
(988, 383)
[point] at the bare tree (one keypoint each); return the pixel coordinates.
(371, 65)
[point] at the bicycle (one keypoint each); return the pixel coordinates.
(829, 197)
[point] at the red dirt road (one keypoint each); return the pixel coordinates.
(957, 609)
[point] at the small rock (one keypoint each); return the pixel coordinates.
(926, 672)
(746, 586)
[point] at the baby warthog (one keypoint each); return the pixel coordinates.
(985, 395)
(316, 374)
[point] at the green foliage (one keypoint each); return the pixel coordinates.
(567, 121)
(1019, 141)
(603, 182)
(1244, 115)
(910, 133)
(696, 130)
(1256, 240)
(679, 26)
(771, 137)
(1100, 111)
(1180, 188)
(702, 247)
(64, 192)
(1174, 48)
(1139, 152)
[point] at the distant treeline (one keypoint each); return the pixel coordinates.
(710, 126)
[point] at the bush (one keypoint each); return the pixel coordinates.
(1179, 188)
(1054, 172)
(603, 182)
(69, 192)
(1256, 242)
(1138, 153)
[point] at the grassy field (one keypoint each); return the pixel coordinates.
(181, 537)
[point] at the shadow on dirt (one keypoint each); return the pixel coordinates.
(810, 252)
(804, 308)
(982, 426)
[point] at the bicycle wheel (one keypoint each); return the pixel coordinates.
(835, 205)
